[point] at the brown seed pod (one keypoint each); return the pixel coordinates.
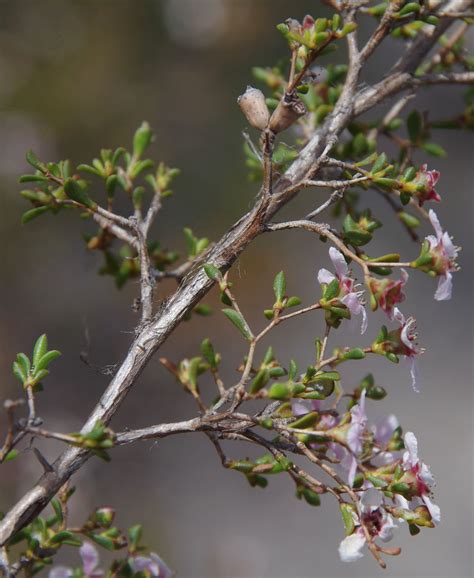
(254, 107)
(289, 110)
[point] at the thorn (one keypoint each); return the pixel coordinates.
(47, 467)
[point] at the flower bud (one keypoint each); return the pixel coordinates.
(289, 110)
(254, 107)
(104, 516)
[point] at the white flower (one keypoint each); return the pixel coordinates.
(355, 434)
(422, 473)
(444, 253)
(347, 295)
(378, 523)
(409, 349)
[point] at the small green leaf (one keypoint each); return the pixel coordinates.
(347, 518)
(409, 9)
(347, 29)
(269, 313)
(191, 242)
(58, 511)
(292, 370)
(259, 381)
(355, 353)
(332, 290)
(46, 359)
(102, 540)
(379, 163)
(33, 213)
(279, 286)
(18, 372)
(201, 245)
(410, 174)
(34, 161)
(212, 271)
(293, 301)
(376, 482)
(414, 126)
(328, 376)
(24, 362)
(12, 454)
(413, 529)
(61, 536)
(40, 348)
(387, 183)
(39, 375)
(310, 497)
(279, 391)
(434, 149)
(237, 319)
(91, 170)
(208, 352)
(142, 139)
(75, 192)
(409, 220)
(33, 179)
(269, 356)
(135, 534)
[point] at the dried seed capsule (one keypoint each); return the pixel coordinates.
(254, 107)
(289, 110)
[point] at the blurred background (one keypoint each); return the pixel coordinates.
(78, 75)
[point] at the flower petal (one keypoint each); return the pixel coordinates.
(325, 277)
(415, 375)
(371, 499)
(352, 472)
(386, 531)
(449, 248)
(426, 475)
(90, 557)
(339, 262)
(445, 287)
(436, 224)
(398, 316)
(434, 510)
(384, 429)
(145, 564)
(350, 549)
(353, 302)
(402, 502)
(165, 571)
(60, 572)
(410, 457)
(301, 407)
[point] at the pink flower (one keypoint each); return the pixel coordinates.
(444, 254)
(387, 293)
(383, 431)
(407, 345)
(378, 523)
(420, 474)
(152, 566)
(347, 295)
(355, 436)
(426, 180)
(90, 561)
